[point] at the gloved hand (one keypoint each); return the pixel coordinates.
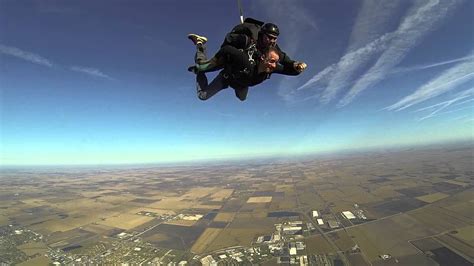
(299, 66)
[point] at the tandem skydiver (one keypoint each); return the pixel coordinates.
(240, 71)
(247, 50)
(255, 36)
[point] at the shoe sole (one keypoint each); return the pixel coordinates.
(196, 38)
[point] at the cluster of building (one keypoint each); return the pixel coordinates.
(235, 255)
(332, 223)
(11, 237)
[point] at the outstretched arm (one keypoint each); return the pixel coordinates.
(290, 69)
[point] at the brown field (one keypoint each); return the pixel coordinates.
(157, 237)
(312, 200)
(331, 195)
(367, 245)
(206, 207)
(385, 192)
(286, 204)
(465, 234)
(82, 205)
(116, 200)
(463, 209)
(234, 237)
(388, 236)
(125, 221)
(73, 221)
(224, 217)
(33, 248)
(90, 194)
(343, 241)
(98, 229)
(283, 188)
(357, 260)
(205, 240)
(457, 183)
(318, 245)
(259, 199)
(200, 192)
(343, 206)
(430, 198)
(457, 244)
(438, 219)
(37, 261)
(3, 220)
(172, 203)
(222, 194)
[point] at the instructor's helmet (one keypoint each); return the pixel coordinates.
(270, 29)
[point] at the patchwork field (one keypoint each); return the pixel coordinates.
(259, 199)
(405, 203)
(205, 240)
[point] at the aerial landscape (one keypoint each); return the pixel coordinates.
(407, 207)
(237, 132)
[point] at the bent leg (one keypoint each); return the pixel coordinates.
(200, 55)
(205, 90)
(205, 65)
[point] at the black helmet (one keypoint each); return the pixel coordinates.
(270, 29)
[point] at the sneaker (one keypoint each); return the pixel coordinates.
(197, 40)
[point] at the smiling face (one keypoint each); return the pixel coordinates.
(269, 61)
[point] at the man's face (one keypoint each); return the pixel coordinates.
(270, 62)
(269, 40)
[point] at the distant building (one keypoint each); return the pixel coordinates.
(276, 237)
(208, 261)
(293, 251)
(192, 217)
(291, 230)
(182, 263)
(295, 223)
(304, 260)
(348, 215)
(320, 221)
(300, 246)
(315, 214)
(333, 224)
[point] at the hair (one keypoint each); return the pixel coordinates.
(270, 49)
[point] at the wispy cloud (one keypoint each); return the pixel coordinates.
(458, 99)
(367, 40)
(421, 19)
(428, 66)
(27, 56)
(91, 71)
(295, 22)
(373, 20)
(446, 112)
(446, 81)
(37, 59)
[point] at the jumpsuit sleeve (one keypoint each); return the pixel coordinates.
(288, 70)
(285, 60)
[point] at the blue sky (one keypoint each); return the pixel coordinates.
(99, 82)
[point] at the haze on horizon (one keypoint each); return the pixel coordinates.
(106, 82)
